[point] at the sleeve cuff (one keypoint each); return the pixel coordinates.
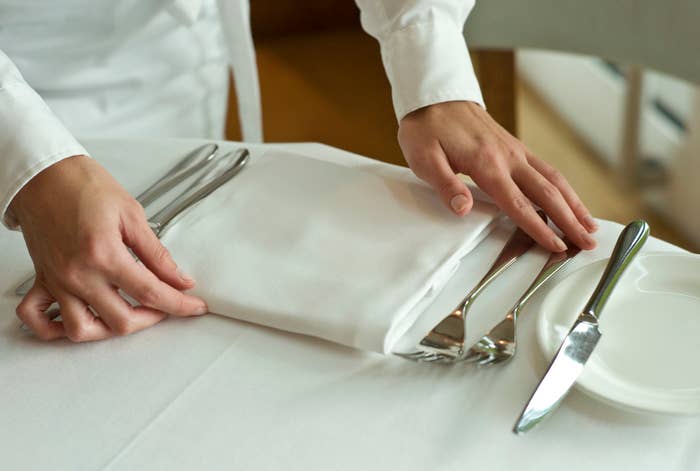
(8, 218)
(32, 139)
(429, 63)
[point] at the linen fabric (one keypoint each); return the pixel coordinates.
(313, 247)
(216, 393)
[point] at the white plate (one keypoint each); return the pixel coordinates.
(648, 358)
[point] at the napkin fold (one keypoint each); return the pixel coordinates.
(345, 254)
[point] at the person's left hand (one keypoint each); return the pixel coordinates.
(441, 140)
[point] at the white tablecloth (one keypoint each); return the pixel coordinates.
(215, 393)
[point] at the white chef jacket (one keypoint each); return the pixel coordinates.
(158, 68)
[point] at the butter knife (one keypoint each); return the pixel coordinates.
(583, 337)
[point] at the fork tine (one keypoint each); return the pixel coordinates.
(495, 360)
(428, 357)
(424, 357)
(448, 335)
(413, 355)
(472, 357)
(433, 358)
(446, 360)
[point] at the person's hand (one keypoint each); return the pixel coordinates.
(441, 140)
(78, 222)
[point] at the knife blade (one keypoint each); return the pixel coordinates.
(577, 346)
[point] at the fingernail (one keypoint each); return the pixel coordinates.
(184, 276)
(590, 223)
(561, 246)
(459, 203)
(590, 241)
(201, 310)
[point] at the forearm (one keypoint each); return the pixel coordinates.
(31, 137)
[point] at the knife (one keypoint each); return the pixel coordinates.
(190, 164)
(583, 337)
(225, 168)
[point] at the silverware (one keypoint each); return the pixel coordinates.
(445, 343)
(200, 188)
(189, 165)
(499, 344)
(584, 335)
(194, 161)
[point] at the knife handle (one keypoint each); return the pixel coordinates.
(631, 240)
(200, 189)
(188, 165)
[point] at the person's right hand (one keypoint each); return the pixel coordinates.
(453, 137)
(78, 223)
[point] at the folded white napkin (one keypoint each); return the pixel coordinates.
(307, 246)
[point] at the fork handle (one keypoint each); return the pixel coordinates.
(556, 262)
(188, 165)
(518, 244)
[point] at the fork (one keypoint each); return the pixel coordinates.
(445, 343)
(499, 344)
(194, 161)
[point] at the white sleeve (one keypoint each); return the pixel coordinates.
(423, 50)
(31, 136)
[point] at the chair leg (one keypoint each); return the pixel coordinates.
(628, 168)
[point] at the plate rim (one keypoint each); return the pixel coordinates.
(682, 402)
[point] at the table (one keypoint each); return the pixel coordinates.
(215, 393)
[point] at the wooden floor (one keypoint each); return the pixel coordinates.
(330, 87)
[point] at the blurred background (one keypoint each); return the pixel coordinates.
(627, 138)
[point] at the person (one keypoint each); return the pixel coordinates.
(159, 68)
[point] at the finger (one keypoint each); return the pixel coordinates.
(572, 199)
(32, 312)
(120, 317)
(433, 168)
(542, 192)
(148, 248)
(141, 284)
(515, 204)
(80, 324)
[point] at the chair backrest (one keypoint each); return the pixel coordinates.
(658, 34)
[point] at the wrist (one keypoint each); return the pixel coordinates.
(50, 179)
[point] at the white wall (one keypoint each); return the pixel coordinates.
(590, 97)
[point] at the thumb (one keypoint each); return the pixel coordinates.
(434, 169)
(148, 248)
